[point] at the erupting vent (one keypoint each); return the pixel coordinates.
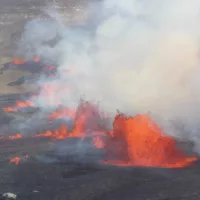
(142, 143)
(134, 141)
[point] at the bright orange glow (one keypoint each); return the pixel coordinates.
(19, 105)
(19, 61)
(59, 133)
(133, 141)
(9, 109)
(146, 144)
(98, 142)
(14, 137)
(15, 160)
(61, 113)
(36, 59)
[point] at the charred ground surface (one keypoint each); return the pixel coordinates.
(52, 179)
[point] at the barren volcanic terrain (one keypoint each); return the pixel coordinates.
(31, 166)
(50, 179)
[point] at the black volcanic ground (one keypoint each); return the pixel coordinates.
(50, 179)
(49, 175)
(45, 176)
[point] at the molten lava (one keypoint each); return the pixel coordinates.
(98, 142)
(142, 143)
(86, 118)
(14, 137)
(36, 59)
(25, 104)
(15, 160)
(19, 105)
(133, 141)
(19, 61)
(59, 133)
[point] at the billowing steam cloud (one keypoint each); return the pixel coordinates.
(136, 56)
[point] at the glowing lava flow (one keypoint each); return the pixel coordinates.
(98, 142)
(14, 137)
(85, 118)
(19, 105)
(142, 143)
(59, 133)
(36, 59)
(134, 141)
(62, 113)
(15, 160)
(11, 137)
(20, 61)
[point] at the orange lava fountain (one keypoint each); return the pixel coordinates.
(145, 144)
(134, 141)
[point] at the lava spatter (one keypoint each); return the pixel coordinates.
(142, 143)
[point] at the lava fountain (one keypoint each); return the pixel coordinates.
(138, 141)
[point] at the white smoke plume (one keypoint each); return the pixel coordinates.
(136, 56)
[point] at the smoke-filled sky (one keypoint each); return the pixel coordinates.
(136, 56)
